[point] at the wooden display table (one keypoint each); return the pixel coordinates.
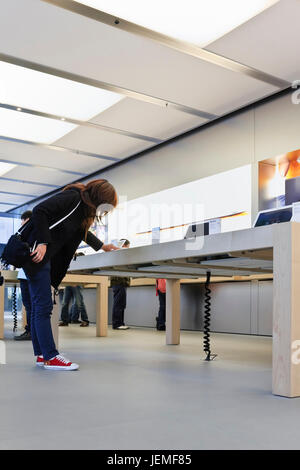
(99, 282)
(270, 250)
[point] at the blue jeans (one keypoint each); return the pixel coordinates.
(41, 331)
(26, 300)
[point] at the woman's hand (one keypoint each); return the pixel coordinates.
(109, 247)
(39, 253)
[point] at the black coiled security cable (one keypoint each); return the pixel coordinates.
(14, 308)
(206, 323)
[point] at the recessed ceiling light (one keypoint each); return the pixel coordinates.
(5, 168)
(53, 95)
(196, 21)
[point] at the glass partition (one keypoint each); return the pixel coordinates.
(8, 226)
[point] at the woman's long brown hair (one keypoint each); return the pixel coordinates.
(95, 193)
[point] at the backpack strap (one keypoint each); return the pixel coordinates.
(56, 223)
(64, 218)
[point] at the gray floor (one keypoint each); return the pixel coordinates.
(133, 392)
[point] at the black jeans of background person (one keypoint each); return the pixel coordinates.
(161, 319)
(26, 300)
(78, 307)
(119, 305)
(69, 296)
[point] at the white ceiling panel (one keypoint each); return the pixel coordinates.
(147, 119)
(39, 155)
(267, 42)
(196, 21)
(103, 143)
(38, 175)
(34, 190)
(13, 199)
(54, 95)
(4, 208)
(5, 167)
(27, 127)
(132, 62)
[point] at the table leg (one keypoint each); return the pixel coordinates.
(286, 310)
(173, 311)
(2, 311)
(24, 317)
(102, 307)
(55, 319)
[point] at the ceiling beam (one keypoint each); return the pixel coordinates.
(104, 86)
(36, 183)
(9, 215)
(43, 167)
(7, 204)
(60, 149)
(18, 194)
(78, 122)
(167, 41)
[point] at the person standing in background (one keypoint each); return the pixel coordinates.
(119, 285)
(74, 294)
(25, 293)
(78, 308)
(161, 293)
(68, 296)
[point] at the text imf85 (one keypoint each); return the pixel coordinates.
(171, 459)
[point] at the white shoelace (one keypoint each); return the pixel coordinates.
(62, 359)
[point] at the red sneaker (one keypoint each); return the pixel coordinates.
(39, 361)
(60, 363)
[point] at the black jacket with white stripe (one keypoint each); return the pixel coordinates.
(64, 239)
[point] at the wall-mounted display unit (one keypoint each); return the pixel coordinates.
(279, 180)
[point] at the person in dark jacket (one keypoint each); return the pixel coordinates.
(68, 297)
(161, 293)
(119, 286)
(77, 308)
(53, 248)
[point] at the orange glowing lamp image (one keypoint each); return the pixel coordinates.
(272, 175)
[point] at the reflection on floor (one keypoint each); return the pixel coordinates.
(133, 392)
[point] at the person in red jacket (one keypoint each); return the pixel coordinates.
(161, 293)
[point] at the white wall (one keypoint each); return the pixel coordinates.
(263, 131)
(223, 194)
